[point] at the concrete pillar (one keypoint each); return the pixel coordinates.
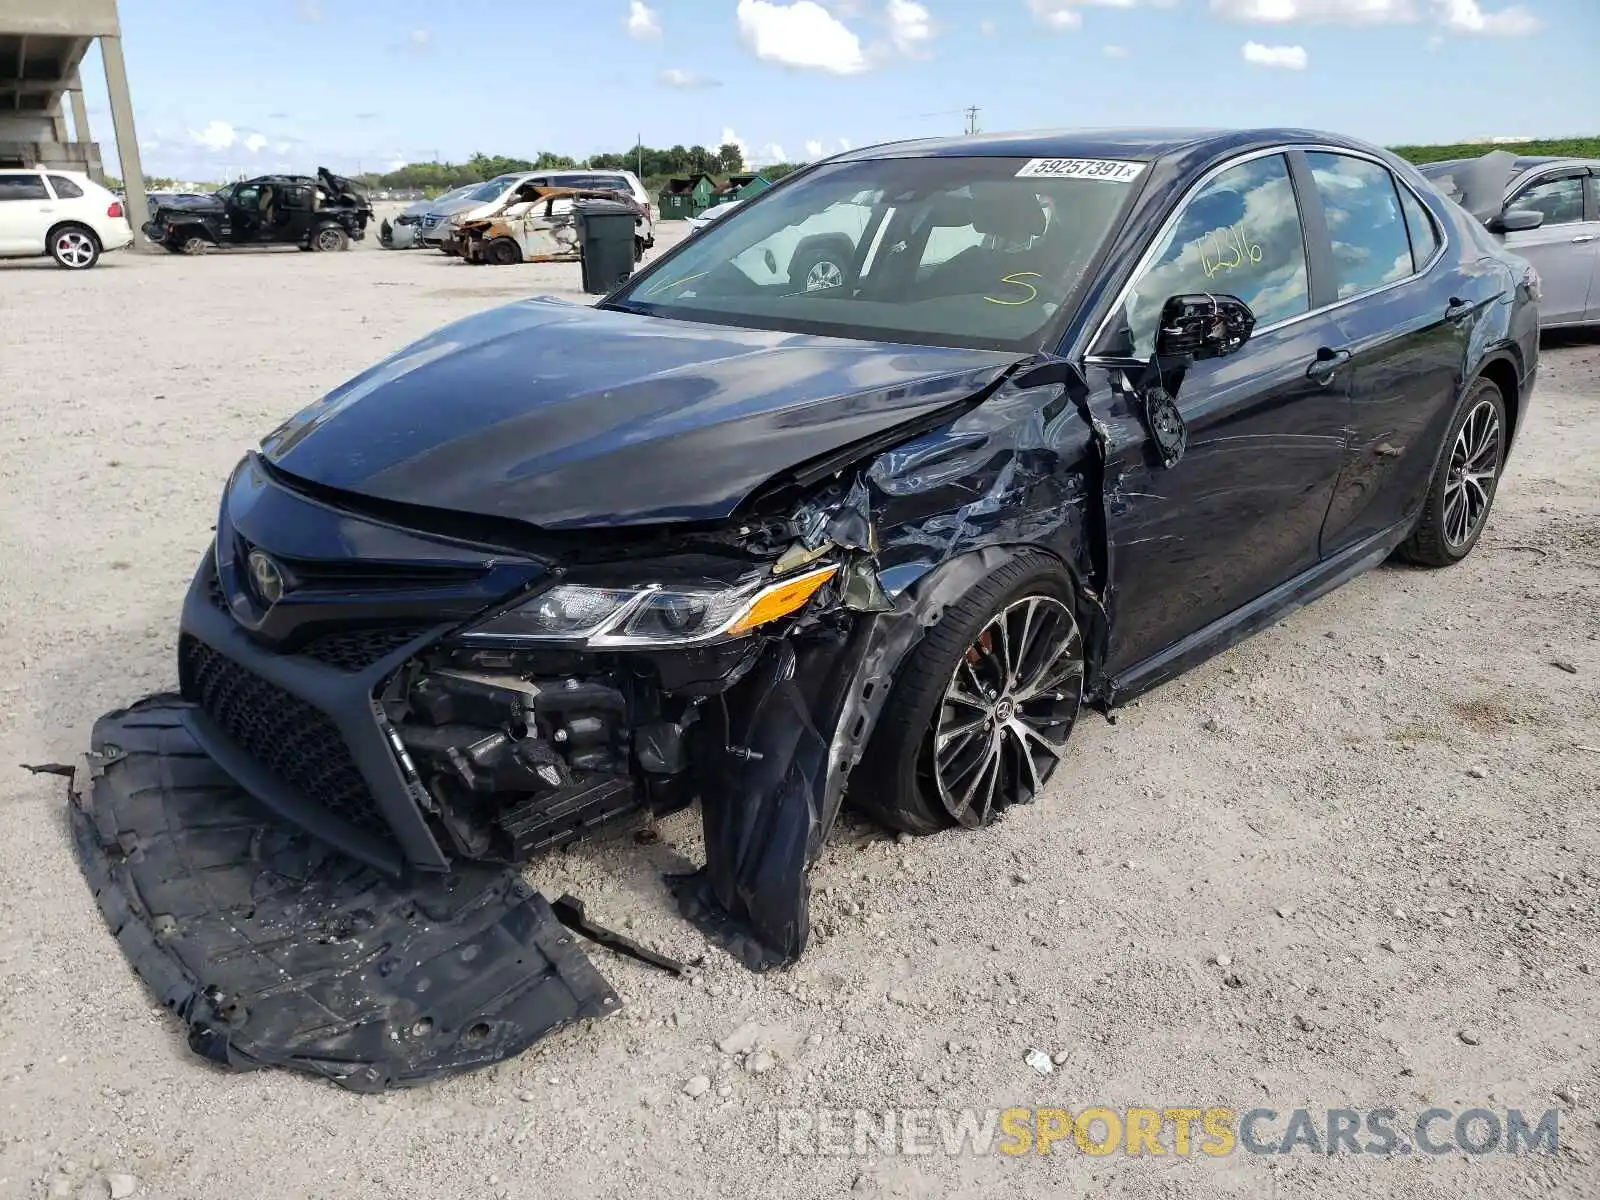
(127, 140)
(80, 112)
(58, 125)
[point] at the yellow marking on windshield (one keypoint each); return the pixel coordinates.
(661, 287)
(1015, 280)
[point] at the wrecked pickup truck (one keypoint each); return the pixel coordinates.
(1078, 412)
(327, 213)
(535, 223)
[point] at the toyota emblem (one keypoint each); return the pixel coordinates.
(266, 576)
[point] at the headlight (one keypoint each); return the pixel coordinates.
(618, 618)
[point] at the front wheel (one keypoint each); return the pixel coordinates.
(331, 238)
(502, 252)
(982, 708)
(1464, 483)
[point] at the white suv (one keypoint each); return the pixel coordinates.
(60, 213)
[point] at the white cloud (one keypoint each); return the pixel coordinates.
(773, 153)
(678, 78)
(1057, 14)
(844, 143)
(1063, 14)
(802, 34)
(814, 149)
(1347, 12)
(255, 143)
(217, 135)
(419, 41)
(1114, 51)
(1467, 16)
(987, 28)
(309, 11)
(642, 21)
(1290, 58)
(910, 26)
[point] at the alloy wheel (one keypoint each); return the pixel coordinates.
(823, 276)
(1009, 707)
(1474, 467)
(328, 240)
(75, 249)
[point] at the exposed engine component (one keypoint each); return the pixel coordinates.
(518, 764)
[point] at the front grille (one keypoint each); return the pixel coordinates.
(357, 649)
(293, 739)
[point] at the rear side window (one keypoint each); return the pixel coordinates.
(22, 187)
(1371, 246)
(1419, 224)
(65, 189)
(1560, 200)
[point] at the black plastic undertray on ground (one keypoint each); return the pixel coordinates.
(276, 951)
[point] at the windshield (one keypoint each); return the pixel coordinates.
(982, 252)
(492, 190)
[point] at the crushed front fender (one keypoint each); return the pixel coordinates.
(275, 950)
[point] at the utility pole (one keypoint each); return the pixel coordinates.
(638, 142)
(972, 118)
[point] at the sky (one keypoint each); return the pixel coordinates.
(229, 87)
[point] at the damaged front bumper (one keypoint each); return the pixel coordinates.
(275, 950)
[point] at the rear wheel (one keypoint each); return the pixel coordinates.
(1463, 488)
(193, 244)
(982, 708)
(502, 252)
(819, 269)
(74, 247)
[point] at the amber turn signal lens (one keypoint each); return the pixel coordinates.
(782, 599)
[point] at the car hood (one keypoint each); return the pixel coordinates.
(191, 203)
(569, 417)
(451, 207)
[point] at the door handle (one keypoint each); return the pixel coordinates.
(1326, 365)
(1585, 237)
(1457, 309)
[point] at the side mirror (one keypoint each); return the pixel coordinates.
(1516, 220)
(1201, 326)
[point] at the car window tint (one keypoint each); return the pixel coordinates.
(1560, 200)
(64, 188)
(1419, 224)
(1370, 244)
(22, 187)
(1239, 235)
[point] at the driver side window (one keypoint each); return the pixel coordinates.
(246, 196)
(1560, 200)
(1239, 235)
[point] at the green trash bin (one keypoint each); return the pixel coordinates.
(605, 238)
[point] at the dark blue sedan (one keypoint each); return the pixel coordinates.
(857, 495)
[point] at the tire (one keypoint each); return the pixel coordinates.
(818, 269)
(502, 252)
(193, 245)
(329, 239)
(1463, 488)
(74, 247)
(909, 779)
(638, 250)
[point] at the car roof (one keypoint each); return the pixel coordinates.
(1135, 144)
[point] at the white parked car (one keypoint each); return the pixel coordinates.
(60, 213)
(440, 222)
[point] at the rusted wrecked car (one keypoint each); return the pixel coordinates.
(536, 223)
(1074, 413)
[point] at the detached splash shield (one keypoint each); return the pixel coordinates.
(277, 951)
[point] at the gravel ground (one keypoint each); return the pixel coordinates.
(1381, 815)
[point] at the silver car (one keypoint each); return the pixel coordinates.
(405, 232)
(1563, 243)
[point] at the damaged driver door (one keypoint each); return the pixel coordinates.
(1238, 508)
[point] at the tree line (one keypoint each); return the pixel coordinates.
(654, 167)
